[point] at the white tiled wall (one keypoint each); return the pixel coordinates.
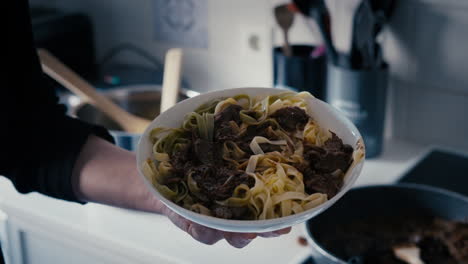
(425, 45)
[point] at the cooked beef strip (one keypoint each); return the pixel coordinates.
(291, 117)
(244, 140)
(322, 183)
(321, 162)
(229, 113)
(218, 183)
(205, 151)
(223, 130)
(181, 160)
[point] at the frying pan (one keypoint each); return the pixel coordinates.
(382, 200)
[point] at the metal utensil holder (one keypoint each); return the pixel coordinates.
(361, 96)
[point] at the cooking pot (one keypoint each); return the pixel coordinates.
(383, 200)
(141, 100)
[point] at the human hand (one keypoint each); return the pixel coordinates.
(210, 236)
(202, 233)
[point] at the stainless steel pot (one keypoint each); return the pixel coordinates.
(141, 100)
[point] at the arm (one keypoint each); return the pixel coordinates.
(107, 174)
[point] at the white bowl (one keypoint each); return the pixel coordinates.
(325, 115)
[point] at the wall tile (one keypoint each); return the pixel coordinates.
(397, 41)
(440, 42)
(436, 117)
(399, 108)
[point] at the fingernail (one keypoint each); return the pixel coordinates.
(195, 233)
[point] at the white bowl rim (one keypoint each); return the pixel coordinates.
(239, 225)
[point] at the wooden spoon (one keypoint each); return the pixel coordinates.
(171, 80)
(77, 85)
(410, 254)
(285, 18)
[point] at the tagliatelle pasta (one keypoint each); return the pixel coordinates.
(249, 158)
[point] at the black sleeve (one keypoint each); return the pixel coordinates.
(39, 144)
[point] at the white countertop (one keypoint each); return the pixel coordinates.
(149, 237)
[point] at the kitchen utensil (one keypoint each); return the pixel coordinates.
(369, 19)
(317, 10)
(140, 100)
(300, 72)
(383, 200)
(410, 254)
(70, 80)
(325, 115)
(363, 38)
(171, 80)
(382, 10)
(284, 18)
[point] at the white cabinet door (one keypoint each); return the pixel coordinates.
(39, 249)
(3, 236)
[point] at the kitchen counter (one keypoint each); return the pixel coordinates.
(148, 238)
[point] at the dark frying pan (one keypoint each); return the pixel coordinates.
(391, 200)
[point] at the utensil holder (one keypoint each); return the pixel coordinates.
(361, 96)
(300, 71)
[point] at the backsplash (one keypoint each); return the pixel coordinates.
(425, 46)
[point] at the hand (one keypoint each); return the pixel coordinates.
(201, 233)
(107, 174)
(210, 236)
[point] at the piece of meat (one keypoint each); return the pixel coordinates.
(231, 179)
(204, 150)
(229, 113)
(322, 183)
(223, 130)
(313, 154)
(218, 183)
(457, 242)
(322, 162)
(331, 161)
(244, 140)
(434, 250)
(291, 118)
(181, 159)
(336, 144)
